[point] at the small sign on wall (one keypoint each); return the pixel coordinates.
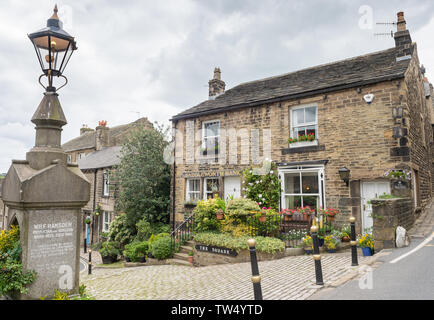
(218, 250)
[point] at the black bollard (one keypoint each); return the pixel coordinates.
(84, 247)
(89, 269)
(316, 255)
(354, 261)
(256, 278)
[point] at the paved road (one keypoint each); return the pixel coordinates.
(410, 277)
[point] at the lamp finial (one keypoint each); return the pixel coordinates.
(55, 10)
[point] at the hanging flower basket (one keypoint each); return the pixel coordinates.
(87, 220)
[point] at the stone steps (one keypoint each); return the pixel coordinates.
(185, 249)
(180, 256)
(179, 262)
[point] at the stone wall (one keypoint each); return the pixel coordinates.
(388, 214)
(202, 258)
(418, 123)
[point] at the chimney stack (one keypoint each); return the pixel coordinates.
(216, 85)
(402, 35)
(85, 129)
(102, 135)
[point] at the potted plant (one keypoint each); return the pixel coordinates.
(331, 242)
(287, 214)
(307, 212)
(219, 214)
(109, 252)
(308, 244)
(190, 257)
(345, 233)
(367, 244)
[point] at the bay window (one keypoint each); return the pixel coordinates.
(301, 187)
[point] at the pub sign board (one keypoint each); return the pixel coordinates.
(218, 250)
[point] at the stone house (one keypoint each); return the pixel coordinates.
(367, 114)
(97, 152)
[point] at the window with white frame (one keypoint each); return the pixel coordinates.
(193, 190)
(302, 186)
(210, 137)
(81, 155)
(106, 220)
(69, 158)
(106, 183)
(211, 185)
(304, 121)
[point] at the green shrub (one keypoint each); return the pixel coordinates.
(156, 237)
(110, 249)
(205, 214)
(145, 229)
(136, 250)
(9, 238)
(119, 230)
(161, 248)
(241, 207)
(263, 244)
(13, 278)
(263, 185)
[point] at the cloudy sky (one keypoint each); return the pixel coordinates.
(154, 58)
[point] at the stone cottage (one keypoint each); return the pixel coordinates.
(367, 115)
(97, 152)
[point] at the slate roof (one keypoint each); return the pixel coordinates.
(366, 69)
(87, 139)
(104, 158)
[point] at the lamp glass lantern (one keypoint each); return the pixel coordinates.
(54, 47)
(344, 173)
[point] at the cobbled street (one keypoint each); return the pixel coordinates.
(289, 278)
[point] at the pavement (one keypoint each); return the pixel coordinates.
(290, 278)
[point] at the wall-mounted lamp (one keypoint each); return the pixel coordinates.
(344, 173)
(397, 112)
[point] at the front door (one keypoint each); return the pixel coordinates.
(232, 187)
(371, 190)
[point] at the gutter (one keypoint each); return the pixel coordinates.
(291, 96)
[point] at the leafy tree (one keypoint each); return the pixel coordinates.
(144, 177)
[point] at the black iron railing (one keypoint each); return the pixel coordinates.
(182, 233)
(290, 229)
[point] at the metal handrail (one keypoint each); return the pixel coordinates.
(186, 228)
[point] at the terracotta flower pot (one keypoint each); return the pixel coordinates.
(219, 216)
(262, 218)
(330, 218)
(306, 217)
(190, 259)
(346, 239)
(287, 217)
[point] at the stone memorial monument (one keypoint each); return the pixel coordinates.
(44, 192)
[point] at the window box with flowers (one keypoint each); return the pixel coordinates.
(303, 141)
(287, 214)
(329, 213)
(307, 212)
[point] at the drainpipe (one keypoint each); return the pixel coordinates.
(174, 176)
(94, 202)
